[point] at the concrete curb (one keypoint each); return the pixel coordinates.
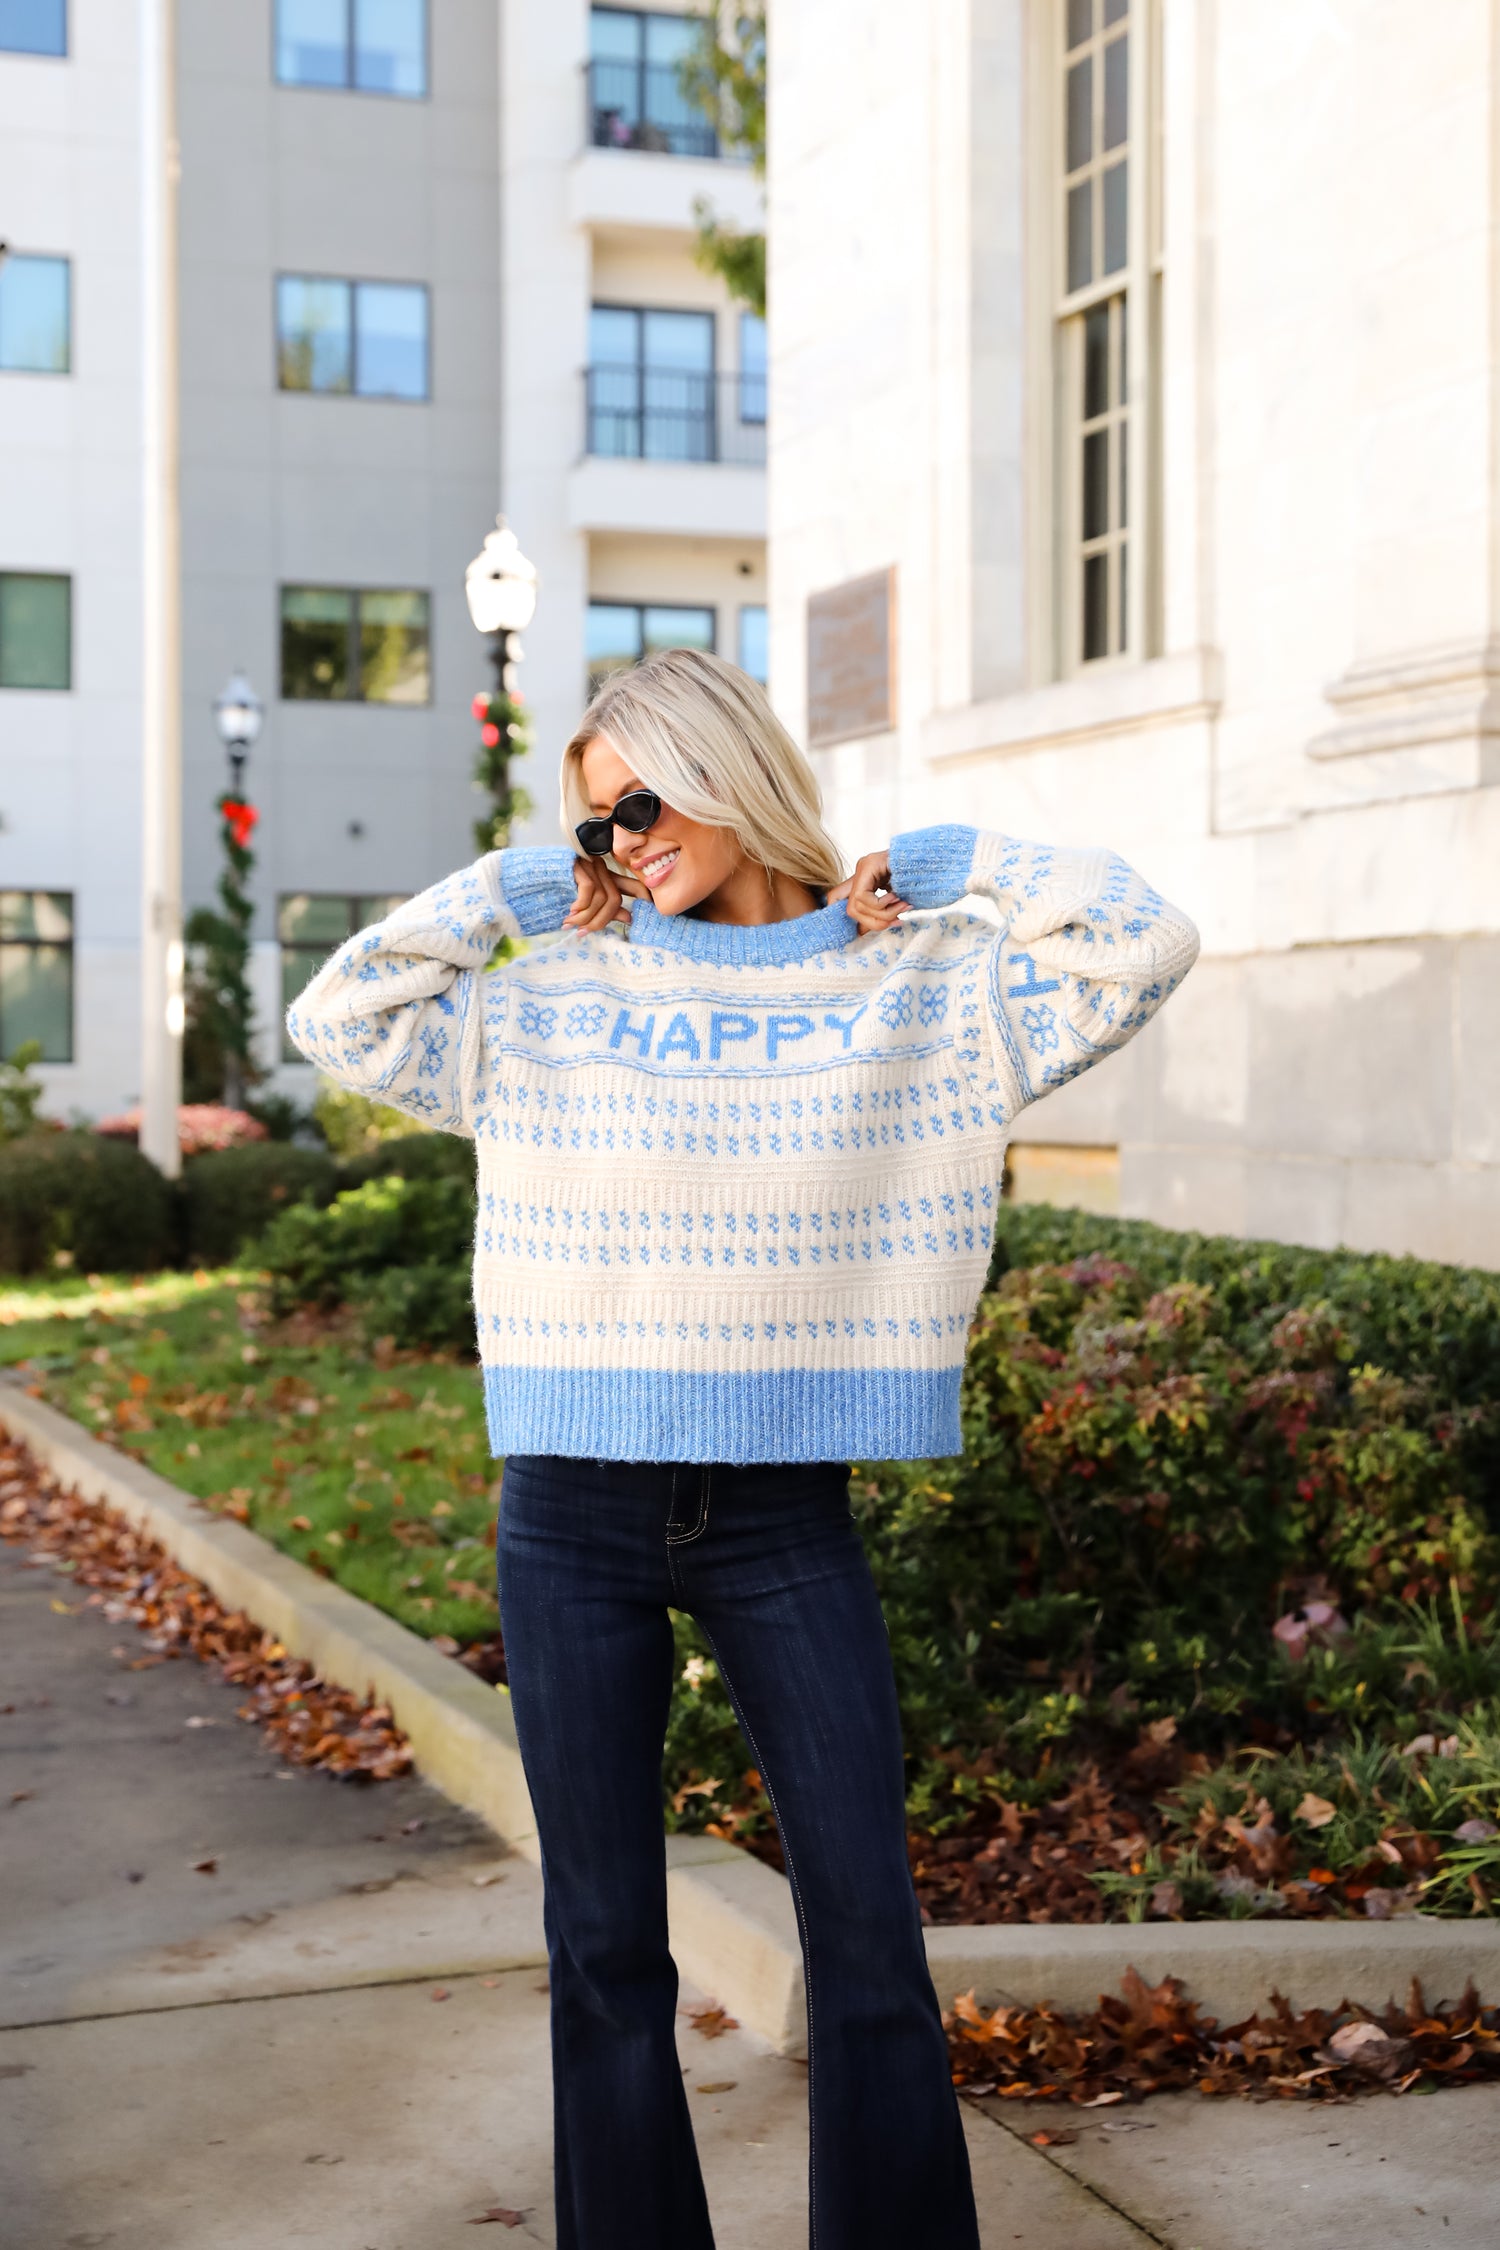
(733, 1928)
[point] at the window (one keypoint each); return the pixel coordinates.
(34, 27)
(1106, 323)
(754, 649)
(752, 368)
(365, 337)
(636, 99)
(621, 633)
(36, 631)
(35, 323)
(369, 46)
(651, 384)
(343, 646)
(36, 972)
(309, 924)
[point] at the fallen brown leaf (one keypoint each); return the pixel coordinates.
(497, 2215)
(709, 2018)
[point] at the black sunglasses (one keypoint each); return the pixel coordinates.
(637, 812)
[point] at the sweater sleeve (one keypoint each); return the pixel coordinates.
(1086, 953)
(395, 1012)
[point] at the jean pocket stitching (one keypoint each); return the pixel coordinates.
(685, 1538)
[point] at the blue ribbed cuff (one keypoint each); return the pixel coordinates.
(931, 866)
(796, 1414)
(536, 885)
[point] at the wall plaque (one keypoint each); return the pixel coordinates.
(851, 659)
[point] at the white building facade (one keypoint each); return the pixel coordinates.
(398, 218)
(1135, 479)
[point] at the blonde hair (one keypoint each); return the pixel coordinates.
(702, 734)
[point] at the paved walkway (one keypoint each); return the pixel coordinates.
(220, 2030)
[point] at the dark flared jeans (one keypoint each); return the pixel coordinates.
(592, 1556)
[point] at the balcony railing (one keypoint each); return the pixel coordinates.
(672, 414)
(642, 105)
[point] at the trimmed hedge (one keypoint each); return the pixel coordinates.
(397, 1248)
(413, 1156)
(98, 1202)
(230, 1196)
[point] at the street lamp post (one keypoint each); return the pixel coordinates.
(501, 587)
(238, 715)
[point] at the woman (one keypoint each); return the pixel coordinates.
(741, 1131)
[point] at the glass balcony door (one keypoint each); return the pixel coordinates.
(651, 389)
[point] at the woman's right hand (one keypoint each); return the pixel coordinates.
(601, 895)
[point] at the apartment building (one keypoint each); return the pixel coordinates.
(423, 242)
(1135, 479)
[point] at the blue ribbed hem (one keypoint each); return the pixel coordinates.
(535, 882)
(931, 866)
(640, 1414)
(743, 944)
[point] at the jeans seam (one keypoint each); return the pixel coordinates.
(807, 1958)
(685, 1538)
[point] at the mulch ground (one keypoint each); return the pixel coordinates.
(1149, 2040)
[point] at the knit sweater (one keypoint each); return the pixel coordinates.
(737, 1184)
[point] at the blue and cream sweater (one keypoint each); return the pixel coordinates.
(737, 1184)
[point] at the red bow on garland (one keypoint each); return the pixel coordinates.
(239, 819)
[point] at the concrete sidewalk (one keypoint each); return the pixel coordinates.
(255, 2056)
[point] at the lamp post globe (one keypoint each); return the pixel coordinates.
(238, 715)
(501, 584)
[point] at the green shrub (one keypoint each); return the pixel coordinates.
(99, 1205)
(1409, 1315)
(1151, 1478)
(230, 1196)
(397, 1248)
(413, 1156)
(352, 1123)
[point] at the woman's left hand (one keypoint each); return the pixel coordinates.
(867, 894)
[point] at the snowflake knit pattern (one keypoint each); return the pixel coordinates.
(737, 1184)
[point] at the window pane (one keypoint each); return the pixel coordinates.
(315, 919)
(1080, 113)
(390, 46)
(299, 965)
(34, 27)
(1117, 92)
(1122, 554)
(368, 910)
(1095, 362)
(312, 42)
(394, 663)
(36, 999)
(615, 35)
(678, 628)
(614, 336)
(669, 38)
(678, 387)
(1114, 217)
(752, 368)
(36, 631)
(1095, 606)
(613, 639)
(34, 322)
(313, 347)
(390, 325)
(315, 622)
(1114, 10)
(754, 648)
(1124, 452)
(679, 339)
(1121, 346)
(1081, 235)
(1096, 484)
(37, 914)
(1080, 21)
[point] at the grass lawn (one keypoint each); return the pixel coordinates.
(377, 1475)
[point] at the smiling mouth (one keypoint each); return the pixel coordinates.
(655, 870)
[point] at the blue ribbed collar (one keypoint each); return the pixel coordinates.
(742, 944)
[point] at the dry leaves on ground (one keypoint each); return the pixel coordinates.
(131, 1579)
(1154, 2040)
(709, 2018)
